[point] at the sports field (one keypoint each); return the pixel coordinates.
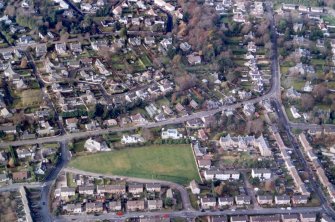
(164, 162)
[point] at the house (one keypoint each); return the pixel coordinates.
(299, 199)
(282, 200)
(204, 163)
(94, 207)
(185, 47)
(195, 123)
(261, 173)
(194, 187)
(153, 187)
(194, 104)
(180, 108)
(5, 113)
(110, 122)
(264, 199)
(94, 146)
(295, 113)
(138, 118)
(73, 208)
(221, 218)
(226, 201)
(86, 190)
(135, 188)
(290, 218)
(112, 189)
(210, 174)
(71, 124)
(115, 205)
(149, 40)
(135, 205)
(23, 153)
(307, 217)
(66, 192)
(60, 48)
(239, 218)
(267, 218)
(41, 50)
(131, 139)
(10, 129)
(155, 204)
(208, 202)
(242, 200)
(171, 134)
(194, 59)
(75, 47)
(3, 178)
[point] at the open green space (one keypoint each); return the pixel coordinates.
(164, 162)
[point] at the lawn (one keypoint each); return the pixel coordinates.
(164, 162)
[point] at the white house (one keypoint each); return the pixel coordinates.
(94, 146)
(261, 173)
(130, 139)
(171, 134)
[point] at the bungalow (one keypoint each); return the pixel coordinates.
(94, 207)
(153, 187)
(242, 200)
(282, 200)
(135, 188)
(264, 199)
(73, 208)
(226, 201)
(86, 190)
(115, 205)
(221, 218)
(155, 204)
(135, 205)
(208, 202)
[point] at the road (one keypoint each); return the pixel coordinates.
(188, 214)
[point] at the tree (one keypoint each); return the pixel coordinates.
(185, 82)
(307, 102)
(255, 181)
(168, 202)
(24, 63)
(319, 92)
